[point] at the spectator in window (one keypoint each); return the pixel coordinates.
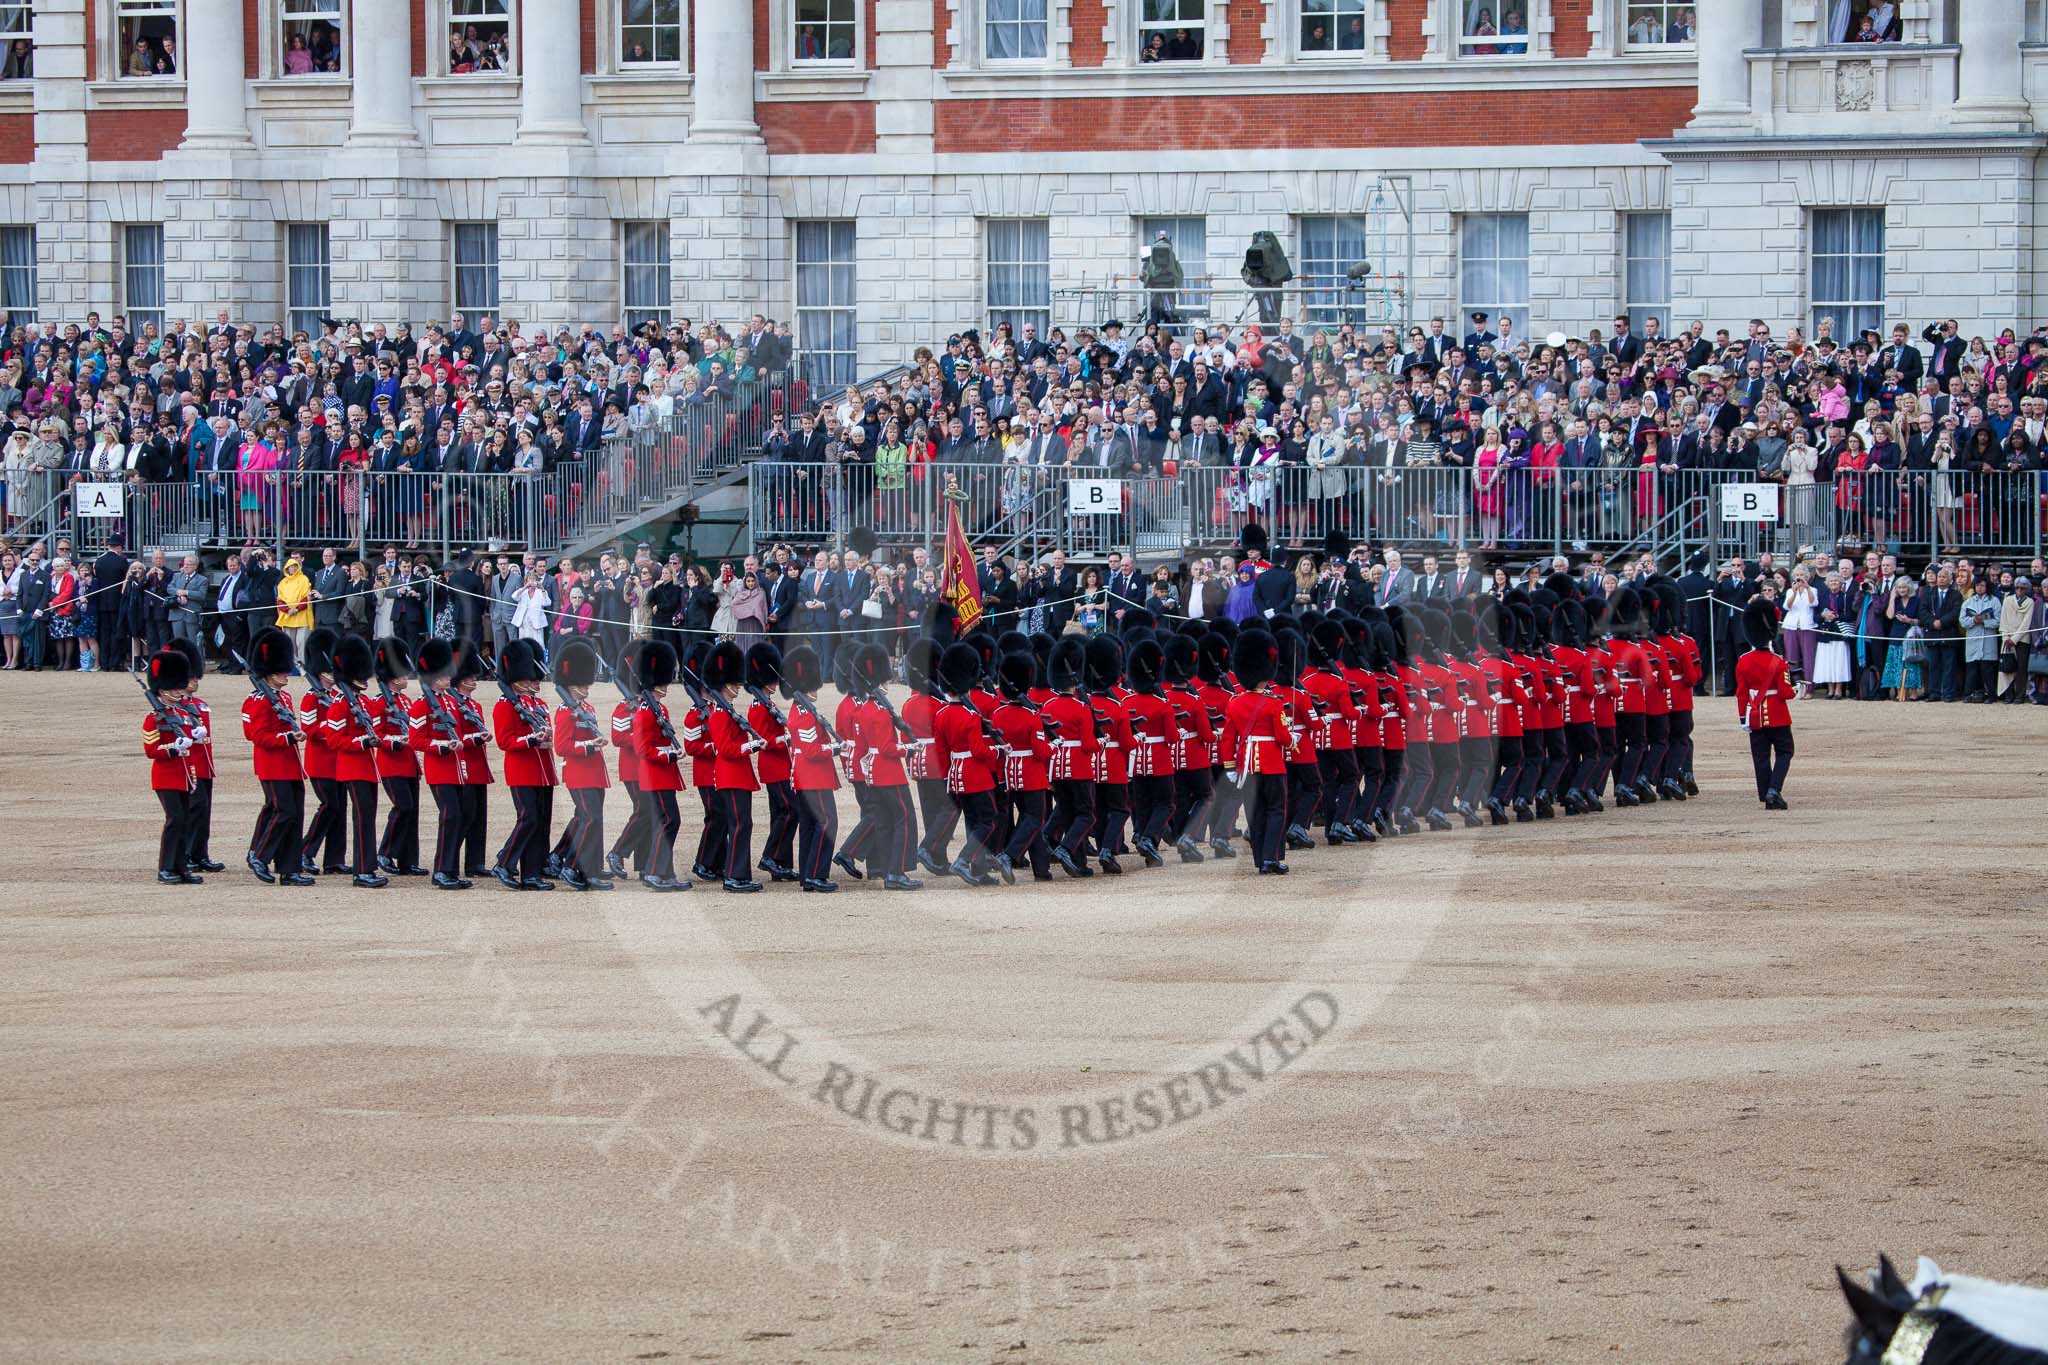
(141, 61)
(167, 56)
(298, 58)
(20, 61)
(1154, 49)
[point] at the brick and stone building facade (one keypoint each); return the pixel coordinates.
(922, 164)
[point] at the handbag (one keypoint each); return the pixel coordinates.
(872, 609)
(2008, 662)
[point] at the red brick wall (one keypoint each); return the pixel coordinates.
(17, 139)
(1405, 42)
(586, 30)
(1569, 34)
(817, 126)
(868, 31)
(1246, 46)
(1362, 120)
(253, 38)
(133, 134)
(1086, 19)
(92, 47)
(941, 17)
(761, 34)
(419, 38)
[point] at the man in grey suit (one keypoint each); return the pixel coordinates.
(330, 586)
(1429, 583)
(504, 583)
(1396, 585)
(188, 599)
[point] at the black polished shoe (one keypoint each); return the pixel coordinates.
(783, 873)
(1006, 869)
(896, 881)
(369, 881)
(171, 878)
(1272, 869)
(388, 866)
(477, 873)
(930, 863)
(1220, 848)
(741, 888)
(553, 867)
(209, 865)
(1645, 793)
(615, 865)
(1524, 815)
(261, 869)
(654, 883)
(1045, 876)
(444, 882)
(1437, 820)
(1334, 836)
(1593, 804)
(535, 884)
(1149, 851)
(818, 884)
(1773, 801)
(505, 878)
(1624, 798)
(845, 865)
(1073, 866)
(1188, 852)
(296, 879)
(598, 884)
(574, 879)
(308, 866)
(1111, 865)
(192, 878)
(1671, 791)
(339, 870)
(703, 873)
(1692, 788)
(1544, 810)
(414, 872)
(1473, 819)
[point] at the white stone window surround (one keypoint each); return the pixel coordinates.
(1805, 23)
(966, 37)
(1445, 27)
(107, 16)
(442, 15)
(271, 35)
(611, 45)
(782, 40)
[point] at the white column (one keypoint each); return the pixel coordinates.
(1723, 29)
(550, 73)
(1989, 82)
(722, 73)
(380, 75)
(216, 91)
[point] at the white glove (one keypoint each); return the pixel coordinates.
(444, 746)
(181, 745)
(366, 741)
(670, 751)
(201, 734)
(753, 746)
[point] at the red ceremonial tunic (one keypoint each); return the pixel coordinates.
(773, 759)
(528, 762)
(878, 745)
(582, 749)
(1197, 747)
(659, 772)
(169, 771)
(318, 756)
(961, 749)
(622, 740)
(199, 720)
(811, 764)
(1027, 760)
(732, 767)
(1153, 732)
(1763, 684)
(1261, 719)
(276, 755)
(353, 745)
(918, 710)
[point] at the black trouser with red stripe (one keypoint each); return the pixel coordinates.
(196, 850)
(632, 840)
(326, 841)
(1418, 771)
(525, 853)
(453, 799)
(1227, 799)
(780, 847)
(1629, 734)
(1535, 754)
(175, 845)
(477, 839)
(1151, 807)
(1304, 793)
(401, 841)
(1475, 769)
(1556, 760)
(711, 843)
(817, 828)
(1582, 745)
(1113, 810)
(277, 840)
(1770, 752)
(664, 822)
(1656, 748)
(1678, 766)
(1508, 758)
(1073, 815)
(1393, 767)
(582, 842)
(736, 822)
(1266, 816)
(978, 811)
(1444, 760)
(935, 811)
(362, 801)
(1371, 780)
(895, 829)
(1027, 828)
(1192, 793)
(1339, 771)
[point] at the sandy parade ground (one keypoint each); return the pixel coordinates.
(1616, 1087)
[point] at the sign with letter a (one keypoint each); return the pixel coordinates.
(97, 499)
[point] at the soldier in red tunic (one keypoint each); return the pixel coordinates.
(1632, 671)
(1217, 687)
(398, 767)
(1335, 722)
(632, 840)
(1194, 788)
(199, 857)
(1258, 720)
(349, 729)
(1026, 736)
(961, 750)
(326, 843)
(1104, 665)
(660, 754)
(447, 751)
(1366, 742)
(1155, 735)
(934, 806)
(764, 673)
(168, 743)
(733, 779)
(271, 725)
(580, 741)
(1763, 687)
(1072, 767)
(815, 753)
(1682, 653)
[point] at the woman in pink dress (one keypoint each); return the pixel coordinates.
(1486, 488)
(256, 481)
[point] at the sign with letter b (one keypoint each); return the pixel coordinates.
(1749, 502)
(1094, 497)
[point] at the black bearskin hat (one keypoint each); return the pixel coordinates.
(1194, 629)
(1381, 648)
(469, 661)
(959, 667)
(872, 665)
(1178, 659)
(436, 659)
(355, 660)
(1670, 606)
(1464, 635)
(522, 662)
(657, 664)
(1016, 672)
(1563, 585)
(194, 655)
(626, 673)
(724, 666)
(1041, 650)
(1487, 625)
(1325, 643)
(1137, 619)
(939, 620)
(921, 661)
(271, 652)
(1255, 658)
(763, 665)
(391, 661)
(800, 670)
(846, 670)
(1146, 665)
(169, 670)
(1528, 639)
(1336, 545)
(1252, 539)
(1437, 624)
(1625, 612)
(1759, 623)
(1289, 664)
(1105, 663)
(985, 647)
(1568, 624)
(575, 664)
(861, 540)
(319, 655)
(1212, 658)
(1066, 664)
(1012, 642)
